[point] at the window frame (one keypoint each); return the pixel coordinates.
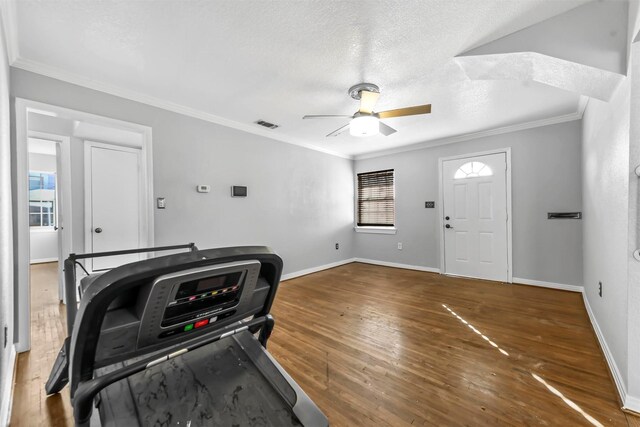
(54, 203)
(375, 229)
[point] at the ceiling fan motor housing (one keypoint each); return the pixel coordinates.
(354, 91)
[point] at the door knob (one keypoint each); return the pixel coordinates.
(55, 228)
(98, 230)
(447, 218)
(448, 226)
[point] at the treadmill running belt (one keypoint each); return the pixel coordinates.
(214, 385)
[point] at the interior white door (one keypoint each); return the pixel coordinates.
(114, 203)
(475, 217)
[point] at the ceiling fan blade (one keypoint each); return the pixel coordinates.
(408, 111)
(368, 101)
(386, 130)
(326, 116)
(339, 130)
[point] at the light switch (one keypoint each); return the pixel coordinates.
(203, 188)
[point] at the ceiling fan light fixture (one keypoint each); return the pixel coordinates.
(364, 126)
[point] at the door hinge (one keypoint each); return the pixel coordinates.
(6, 336)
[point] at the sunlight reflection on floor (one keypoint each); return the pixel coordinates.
(484, 337)
(569, 402)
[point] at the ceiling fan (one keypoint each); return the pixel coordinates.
(366, 122)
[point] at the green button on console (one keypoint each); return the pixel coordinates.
(188, 327)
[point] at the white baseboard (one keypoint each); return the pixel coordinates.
(561, 286)
(632, 403)
(304, 272)
(43, 260)
(7, 388)
(613, 368)
(397, 265)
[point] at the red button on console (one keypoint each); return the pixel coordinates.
(202, 323)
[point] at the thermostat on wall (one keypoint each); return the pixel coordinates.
(203, 188)
(238, 191)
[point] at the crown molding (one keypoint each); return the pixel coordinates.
(76, 79)
(481, 134)
(56, 73)
(10, 27)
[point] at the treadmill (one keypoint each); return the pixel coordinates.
(178, 340)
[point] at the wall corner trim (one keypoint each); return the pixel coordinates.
(306, 271)
(397, 265)
(613, 368)
(552, 285)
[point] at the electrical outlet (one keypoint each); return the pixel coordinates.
(399, 246)
(337, 246)
(162, 204)
(429, 205)
(600, 289)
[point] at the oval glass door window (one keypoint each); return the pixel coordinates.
(473, 170)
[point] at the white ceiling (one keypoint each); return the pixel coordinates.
(235, 62)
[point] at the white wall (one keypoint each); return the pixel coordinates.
(300, 201)
(6, 240)
(43, 245)
(545, 177)
(605, 159)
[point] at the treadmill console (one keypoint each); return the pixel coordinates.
(199, 298)
(194, 299)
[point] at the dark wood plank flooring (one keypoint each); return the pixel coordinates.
(382, 346)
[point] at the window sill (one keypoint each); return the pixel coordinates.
(376, 230)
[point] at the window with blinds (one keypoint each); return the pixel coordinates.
(376, 199)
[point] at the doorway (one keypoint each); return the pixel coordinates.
(50, 230)
(34, 119)
(475, 195)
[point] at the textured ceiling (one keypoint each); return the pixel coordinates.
(240, 61)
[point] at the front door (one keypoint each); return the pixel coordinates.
(114, 203)
(475, 217)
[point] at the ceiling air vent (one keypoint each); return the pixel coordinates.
(266, 124)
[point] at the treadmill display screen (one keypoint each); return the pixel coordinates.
(203, 297)
(197, 287)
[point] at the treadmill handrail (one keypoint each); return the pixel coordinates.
(191, 246)
(87, 390)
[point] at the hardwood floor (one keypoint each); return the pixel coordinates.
(382, 346)
(377, 346)
(31, 406)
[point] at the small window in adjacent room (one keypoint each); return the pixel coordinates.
(473, 170)
(376, 199)
(42, 199)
